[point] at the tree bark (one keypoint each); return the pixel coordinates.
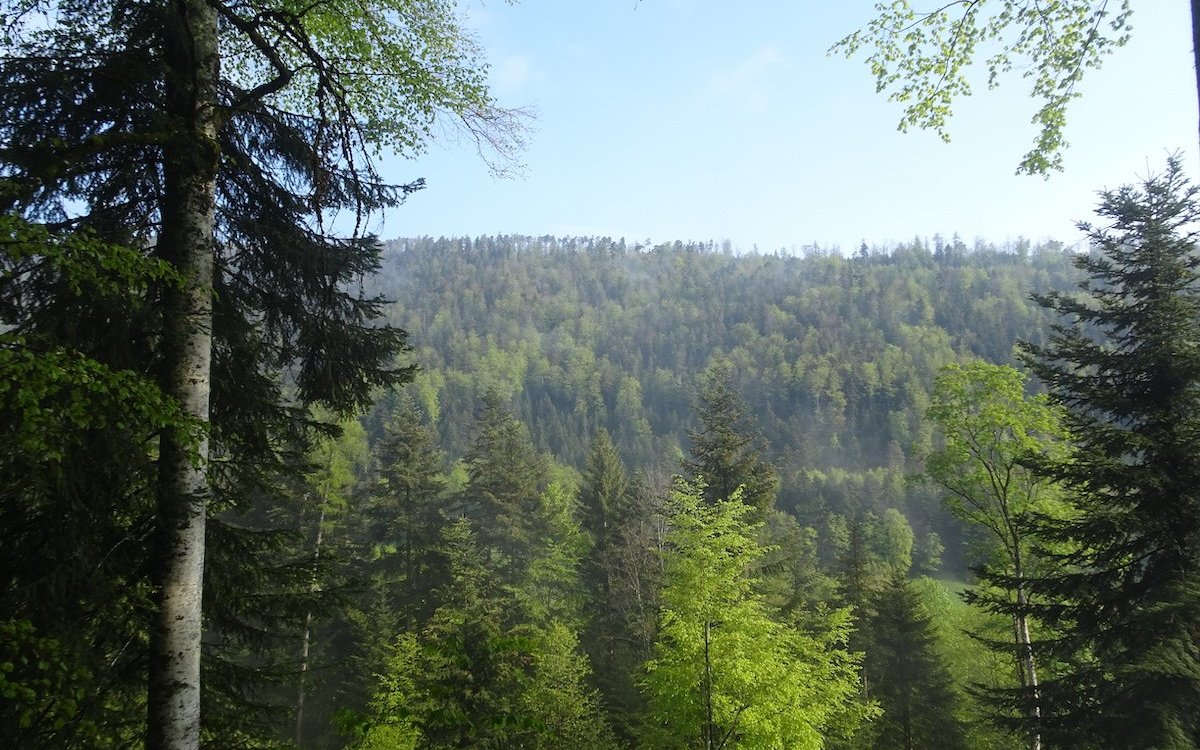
(187, 242)
(308, 617)
(1029, 676)
(709, 730)
(1196, 51)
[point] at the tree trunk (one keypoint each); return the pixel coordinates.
(307, 633)
(1196, 48)
(709, 731)
(1029, 678)
(186, 241)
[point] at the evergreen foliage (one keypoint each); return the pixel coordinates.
(904, 672)
(214, 141)
(506, 477)
(726, 451)
(1125, 366)
(404, 516)
(169, 174)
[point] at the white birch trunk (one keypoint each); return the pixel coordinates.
(186, 241)
(1028, 666)
(308, 616)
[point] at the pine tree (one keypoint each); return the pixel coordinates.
(1125, 364)
(726, 449)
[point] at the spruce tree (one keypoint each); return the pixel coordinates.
(1125, 364)
(907, 677)
(506, 477)
(726, 446)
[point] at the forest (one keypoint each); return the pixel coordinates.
(270, 483)
(652, 496)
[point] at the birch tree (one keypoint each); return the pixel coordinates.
(991, 431)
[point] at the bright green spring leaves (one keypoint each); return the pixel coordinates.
(921, 58)
(725, 671)
(48, 392)
(397, 65)
(991, 428)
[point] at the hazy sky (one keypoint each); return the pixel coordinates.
(698, 119)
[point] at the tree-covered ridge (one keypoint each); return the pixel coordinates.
(834, 355)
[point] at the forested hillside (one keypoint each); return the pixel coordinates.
(562, 382)
(270, 483)
(834, 356)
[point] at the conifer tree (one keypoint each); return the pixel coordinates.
(726, 449)
(1125, 365)
(621, 633)
(471, 678)
(603, 489)
(602, 506)
(506, 477)
(907, 677)
(220, 138)
(404, 516)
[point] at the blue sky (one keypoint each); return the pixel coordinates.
(699, 120)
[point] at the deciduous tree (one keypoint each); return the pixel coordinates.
(992, 431)
(921, 57)
(725, 673)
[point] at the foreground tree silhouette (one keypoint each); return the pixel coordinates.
(1125, 364)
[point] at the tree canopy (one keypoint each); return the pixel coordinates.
(922, 58)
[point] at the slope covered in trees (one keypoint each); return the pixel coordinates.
(834, 356)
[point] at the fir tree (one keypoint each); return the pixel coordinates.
(1125, 364)
(506, 477)
(726, 448)
(905, 674)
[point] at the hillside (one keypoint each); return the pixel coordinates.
(835, 356)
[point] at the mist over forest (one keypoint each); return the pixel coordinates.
(268, 482)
